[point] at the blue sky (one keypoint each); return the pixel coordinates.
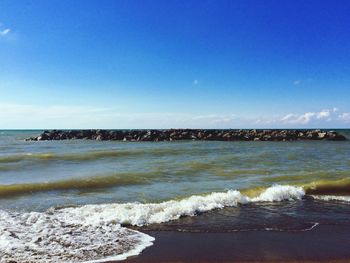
(162, 64)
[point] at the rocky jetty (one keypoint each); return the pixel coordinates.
(189, 134)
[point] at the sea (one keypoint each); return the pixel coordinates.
(92, 201)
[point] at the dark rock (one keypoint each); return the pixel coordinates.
(189, 134)
(333, 136)
(43, 137)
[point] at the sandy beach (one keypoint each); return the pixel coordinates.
(322, 244)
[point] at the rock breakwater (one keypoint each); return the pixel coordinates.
(189, 134)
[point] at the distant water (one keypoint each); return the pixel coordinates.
(45, 187)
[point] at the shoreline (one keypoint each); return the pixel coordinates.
(325, 243)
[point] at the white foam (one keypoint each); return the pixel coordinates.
(143, 214)
(147, 241)
(315, 224)
(332, 198)
(93, 233)
(279, 193)
(312, 227)
(45, 237)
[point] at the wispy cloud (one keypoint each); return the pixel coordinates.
(345, 116)
(65, 116)
(214, 118)
(309, 117)
(60, 116)
(302, 81)
(4, 31)
(304, 118)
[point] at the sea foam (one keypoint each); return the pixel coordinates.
(47, 237)
(137, 214)
(279, 193)
(97, 233)
(332, 198)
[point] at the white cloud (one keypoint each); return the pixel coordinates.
(61, 116)
(305, 118)
(214, 118)
(312, 117)
(300, 81)
(345, 116)
(4, 32)
(323, 114)
(289, 117)
(17, 116)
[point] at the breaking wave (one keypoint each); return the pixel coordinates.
(97, 233)
(325, 187)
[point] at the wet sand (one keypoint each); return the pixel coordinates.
(325, 243)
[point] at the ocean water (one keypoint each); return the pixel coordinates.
(80, 200)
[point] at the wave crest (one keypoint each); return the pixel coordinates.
(89, 232)
(142, 214)
(338, 187)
